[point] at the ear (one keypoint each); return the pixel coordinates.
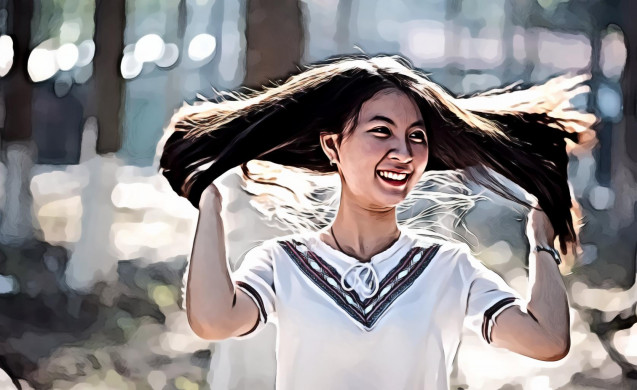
(329, 143)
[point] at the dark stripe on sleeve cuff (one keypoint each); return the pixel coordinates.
(489, 313)
(253, 328)
(257, 296)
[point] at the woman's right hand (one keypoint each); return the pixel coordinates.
(210, 198)
(214, 311)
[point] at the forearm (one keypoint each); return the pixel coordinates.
(548, 301)
(209, 291)
(544, 331)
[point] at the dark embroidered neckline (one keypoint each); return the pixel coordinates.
(369, 310)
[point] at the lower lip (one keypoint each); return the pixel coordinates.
(394, 183)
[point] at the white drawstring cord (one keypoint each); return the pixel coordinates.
(359, 279)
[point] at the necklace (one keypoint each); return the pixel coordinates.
(335, 240)
(339, 245)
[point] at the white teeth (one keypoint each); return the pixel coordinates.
(392, 175)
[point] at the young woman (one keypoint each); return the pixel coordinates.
(362, 302)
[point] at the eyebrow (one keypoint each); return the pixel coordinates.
(391, 122)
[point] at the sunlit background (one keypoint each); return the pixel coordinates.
(94, 243)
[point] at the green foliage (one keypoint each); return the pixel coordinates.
(50, 16)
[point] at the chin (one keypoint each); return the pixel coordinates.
(390, 197)
(389, 200)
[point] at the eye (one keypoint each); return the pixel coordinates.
(419, 136)
(382, 130)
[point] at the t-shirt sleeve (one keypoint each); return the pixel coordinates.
(487, 296)
(255, 277)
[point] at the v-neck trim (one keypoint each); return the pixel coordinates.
(388, 253)
(364, 312)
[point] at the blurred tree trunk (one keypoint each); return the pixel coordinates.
(274, 37)
(110, 20)
(174, 85)
(18, 87)
(452, 73)
(618, 142)
(624, 148)
(19, 152)
(182, 21)
(209, 73)
(344, 16)
(92, 259)
(629, 80)
(507, 74)
(452, 37)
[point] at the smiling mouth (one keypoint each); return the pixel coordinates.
(393, 178)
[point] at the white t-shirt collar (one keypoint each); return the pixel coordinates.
(320, 246)
(358, 272)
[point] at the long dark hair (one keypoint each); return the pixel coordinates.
(281, 124)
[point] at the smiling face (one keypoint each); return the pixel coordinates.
(384, 156)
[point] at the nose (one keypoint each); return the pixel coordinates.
(401, 152)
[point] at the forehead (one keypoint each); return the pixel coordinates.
(391, 103)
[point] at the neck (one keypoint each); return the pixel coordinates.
(361, 232)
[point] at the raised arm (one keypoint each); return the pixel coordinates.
(544, 332)
(213, 311)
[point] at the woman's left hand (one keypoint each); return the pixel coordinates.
(539, 229)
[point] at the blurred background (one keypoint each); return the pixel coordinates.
(94, 243)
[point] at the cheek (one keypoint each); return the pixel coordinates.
(421, 158)
(359, 168)
(368, 147)
(361, 156)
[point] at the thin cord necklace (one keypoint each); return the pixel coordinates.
(339, 245)
(335, 240)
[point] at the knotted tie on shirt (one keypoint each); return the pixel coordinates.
(365, 274)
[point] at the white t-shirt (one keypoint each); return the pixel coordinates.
(398, 326)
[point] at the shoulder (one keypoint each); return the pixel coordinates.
(455, 255)
(443, 247)
(276, 245)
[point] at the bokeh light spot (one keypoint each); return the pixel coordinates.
(201, 47)
(130, 66)
(149, 48)
(163, 296)
(6, 54)
(170, 56)
(67, 56)
(86, 51)
(42, 64)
